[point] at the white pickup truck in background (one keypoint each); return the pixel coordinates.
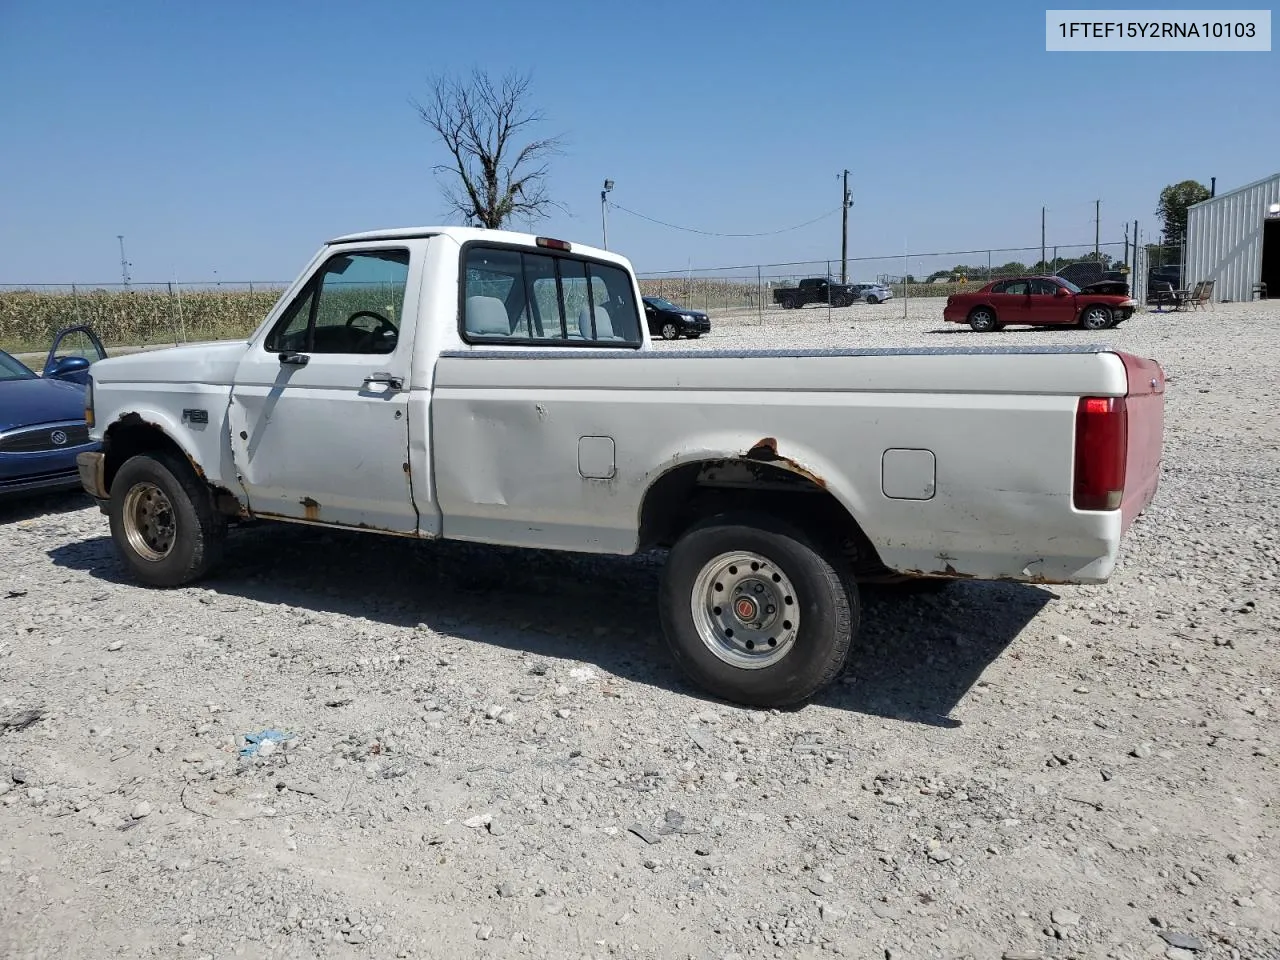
(498, 387)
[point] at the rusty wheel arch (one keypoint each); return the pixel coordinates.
(131, 434)
(759, 480)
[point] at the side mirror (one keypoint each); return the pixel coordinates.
(68, 368)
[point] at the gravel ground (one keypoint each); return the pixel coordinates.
(488, 757)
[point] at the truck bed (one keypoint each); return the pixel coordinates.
(954, 461)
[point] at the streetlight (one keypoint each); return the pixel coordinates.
(604, 219)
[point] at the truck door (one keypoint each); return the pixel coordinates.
(320, 408)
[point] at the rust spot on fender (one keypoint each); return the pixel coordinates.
(405, 466)
(765, 450)
(311, 508)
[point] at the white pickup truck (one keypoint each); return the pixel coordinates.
(498, 387)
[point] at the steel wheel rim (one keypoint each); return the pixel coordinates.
(745, 610)
(149, 522)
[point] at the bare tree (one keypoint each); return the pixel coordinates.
(479, 123)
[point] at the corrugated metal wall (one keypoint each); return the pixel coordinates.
(1224, 239)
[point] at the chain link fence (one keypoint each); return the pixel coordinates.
(142, 314)
(137, 314)
(762, 287)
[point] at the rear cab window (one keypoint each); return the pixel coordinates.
(516, 296)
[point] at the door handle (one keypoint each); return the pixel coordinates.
(393, 383)
(295, 359)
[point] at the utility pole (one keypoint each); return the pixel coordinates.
(1097, 227)
(124, 264)
(845, 204)
(1126, 244)
(1042, 264)
(604, 217)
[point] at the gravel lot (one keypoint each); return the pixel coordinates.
(491, 762)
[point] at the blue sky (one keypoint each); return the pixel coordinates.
(235, 137)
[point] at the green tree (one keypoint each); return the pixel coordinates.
(1172, 209)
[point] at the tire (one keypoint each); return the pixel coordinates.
(873, 300)
(670, 331)
(1096, 317)
(813, 643)
(983, 320)
(159, 487)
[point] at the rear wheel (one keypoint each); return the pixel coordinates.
(670, 331)
(163, 521)
(983, 320)
(754, 612)
(1096, 317)
(872, 299)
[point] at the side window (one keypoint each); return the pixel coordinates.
(616, 315)
(511, 296)
(1017, 288)
(353, 305)
(1044, 288)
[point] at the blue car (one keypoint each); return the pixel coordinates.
(42, 421)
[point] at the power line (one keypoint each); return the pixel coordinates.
(711, 233)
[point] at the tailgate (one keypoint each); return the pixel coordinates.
(1145, 428)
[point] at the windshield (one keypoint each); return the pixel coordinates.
(1069, 285)
(12, 369)
(660, 303)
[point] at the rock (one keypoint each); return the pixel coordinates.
(115, 645)
(886, 911)
(1177, 953)
(643, 834)
(506, 889)
(493, 712)
(1142, 751)
(939, 855)
(140, 809)
(1183, 941)
(478, 821)
(484, 933)
(1064, 918)
(1022, 955)
(830, 913)
(36, 795)
(186, 939)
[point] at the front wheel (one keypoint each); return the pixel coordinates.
(163, 521)
(1096, 318)
(873, 300)
(670, 331)
(983, 320)
(754, 612)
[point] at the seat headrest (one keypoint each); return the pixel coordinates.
(604, 323)
(487, 316)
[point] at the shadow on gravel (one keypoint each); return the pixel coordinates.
(14, 508)
(915, 659)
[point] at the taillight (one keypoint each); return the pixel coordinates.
(1102, 441)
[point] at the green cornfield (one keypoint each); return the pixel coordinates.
(29, 318)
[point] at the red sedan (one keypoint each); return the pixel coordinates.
(1036, 302)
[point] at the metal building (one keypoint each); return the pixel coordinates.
(1234, 239)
